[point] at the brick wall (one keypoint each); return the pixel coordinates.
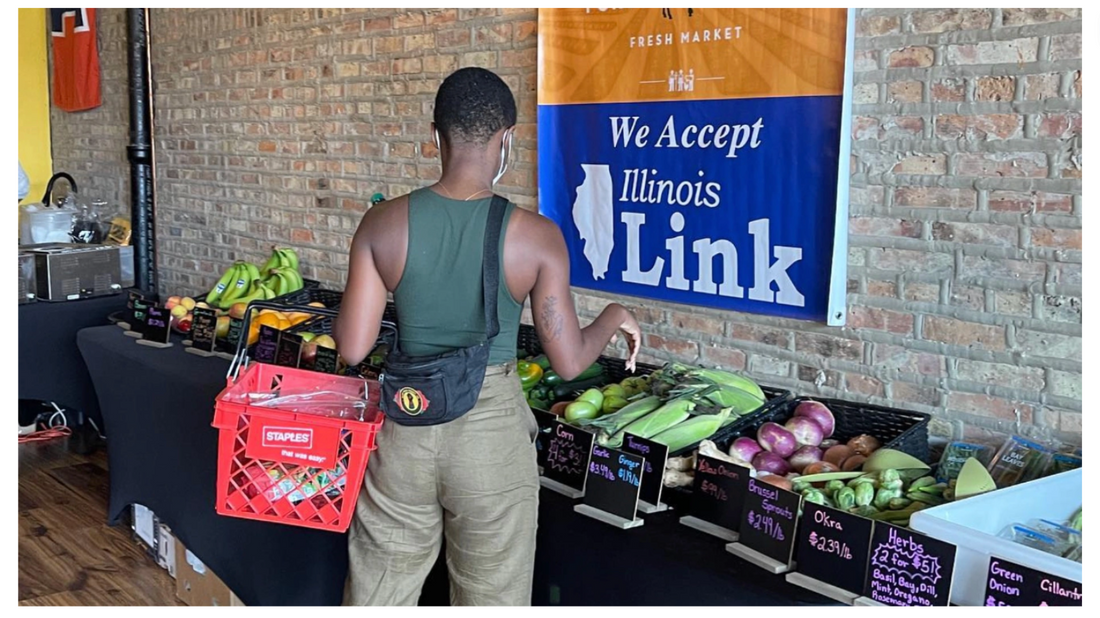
(965, 262)
(91, 145)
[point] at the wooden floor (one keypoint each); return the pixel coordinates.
(68, 555)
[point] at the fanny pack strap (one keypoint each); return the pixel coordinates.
(490, 265)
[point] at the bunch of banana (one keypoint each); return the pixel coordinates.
(284, 281)
(235, 284)
(281, 258)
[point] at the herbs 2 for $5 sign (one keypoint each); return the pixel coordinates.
(692, 155)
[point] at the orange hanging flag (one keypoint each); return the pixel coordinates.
(75, 59)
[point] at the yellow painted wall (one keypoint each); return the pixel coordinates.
(34, 101)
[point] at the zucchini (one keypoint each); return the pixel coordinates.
(552, 378)
(565, 390)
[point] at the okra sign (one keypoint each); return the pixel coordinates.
(693, 155)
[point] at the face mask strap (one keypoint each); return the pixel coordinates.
(503, 157)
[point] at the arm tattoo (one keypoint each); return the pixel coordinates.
(551, 319)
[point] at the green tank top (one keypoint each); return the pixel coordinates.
(439, 299)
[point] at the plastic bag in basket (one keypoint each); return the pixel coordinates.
(329, 404)
(296, 484)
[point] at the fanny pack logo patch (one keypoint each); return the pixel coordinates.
(411, 401)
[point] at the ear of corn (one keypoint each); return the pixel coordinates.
(612, 423)
(691, 431)
(673, 412)
(728, 379)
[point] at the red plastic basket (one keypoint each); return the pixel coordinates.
(292, 468)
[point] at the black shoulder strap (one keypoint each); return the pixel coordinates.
(490, 265)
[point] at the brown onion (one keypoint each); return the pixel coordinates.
(838, 454)
(864, 444)
(855, 462)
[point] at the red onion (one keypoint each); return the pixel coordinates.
(819, 414)
(770, 462)
(775, 439)
(805, 430)
(805, 456)
(744, 449)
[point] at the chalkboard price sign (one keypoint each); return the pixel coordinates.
(653, 467)
(833, 547)
(289, 352)
(1011, 584)
(908, 568)
(267, 345)
(614, 480)
(203, 329)
(131, 319)
(326, 361)
(718, 492)
(236, 328)
(140, 311)
(769, 520)
(567, 455)
(157, 321)
(545, 421)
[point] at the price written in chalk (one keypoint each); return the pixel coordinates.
(830, 546)
(766, 524)
(834, 546)
(719, 491)
(908, 568)
(614, 481)
(601, 470)
(770, 520)
(568, 452)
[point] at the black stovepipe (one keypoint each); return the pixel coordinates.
(140, 152)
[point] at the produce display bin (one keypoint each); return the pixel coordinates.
(901, 430)
(288, 467)
(322, 325)
(972, 525)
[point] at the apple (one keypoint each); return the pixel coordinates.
(309, 352)
(237, 310)
(188, 302)
(171, 302)
(221, 330)
(308, 336)
(325, 341)
(179, 311)
(202, 305)
(184, 325)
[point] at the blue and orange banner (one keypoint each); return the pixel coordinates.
(692, 155)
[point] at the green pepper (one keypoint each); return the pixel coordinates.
(529, 374)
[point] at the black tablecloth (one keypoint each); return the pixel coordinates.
(163, 453)
(50, 366)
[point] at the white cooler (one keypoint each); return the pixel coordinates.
(972, 525)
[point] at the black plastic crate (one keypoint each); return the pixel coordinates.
(900, 430)
(331, 299)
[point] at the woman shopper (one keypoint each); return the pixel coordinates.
(456, 459)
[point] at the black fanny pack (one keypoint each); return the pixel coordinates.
(431, 390)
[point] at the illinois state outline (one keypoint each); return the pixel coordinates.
(594, 216)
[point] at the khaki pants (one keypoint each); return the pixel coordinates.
(473, 481)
